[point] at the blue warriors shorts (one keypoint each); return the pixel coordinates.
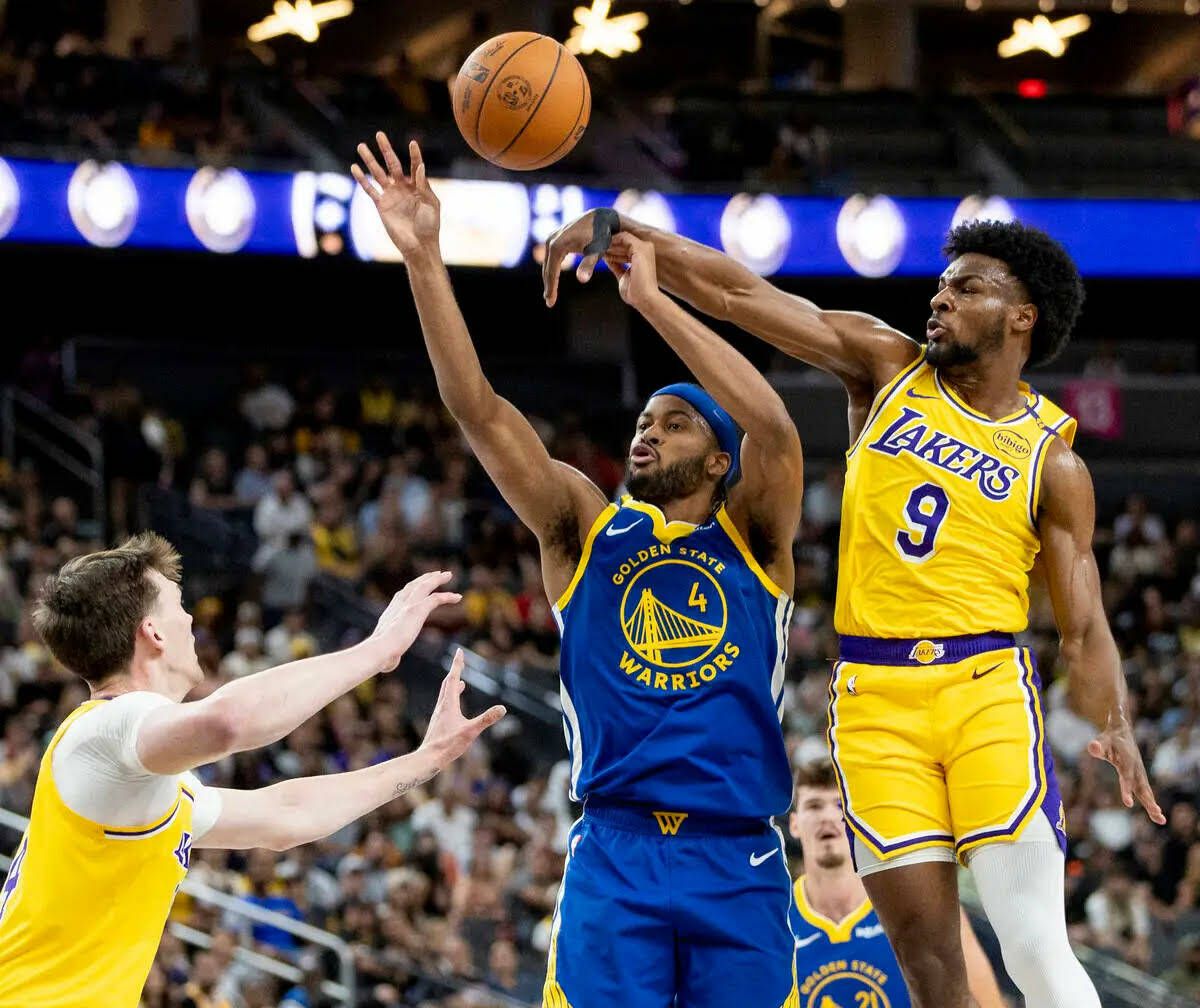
(662, 909)
(940, 743)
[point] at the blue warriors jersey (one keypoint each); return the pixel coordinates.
(846, 965)
(673, 650)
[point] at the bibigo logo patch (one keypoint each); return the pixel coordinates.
(1012, 444)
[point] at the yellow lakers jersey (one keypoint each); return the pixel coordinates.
(939, 514)
(84, 905)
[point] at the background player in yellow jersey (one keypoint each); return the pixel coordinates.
(959, 475)
(116, 811)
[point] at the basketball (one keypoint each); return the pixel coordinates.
(521, 101)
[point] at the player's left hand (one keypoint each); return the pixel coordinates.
(450, 733)
(1117, 745)
(632, 262)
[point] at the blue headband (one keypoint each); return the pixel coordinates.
(722, 424)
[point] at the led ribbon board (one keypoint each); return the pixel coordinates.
(499, 224)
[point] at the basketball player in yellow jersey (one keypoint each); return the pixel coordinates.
(116, 811)
(959, 475)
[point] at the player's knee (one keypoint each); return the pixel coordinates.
(1029, 950)
(926, 955)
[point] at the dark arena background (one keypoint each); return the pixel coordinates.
(197, 297)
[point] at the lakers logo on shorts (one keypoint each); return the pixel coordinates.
(927, 652)
(673, 613)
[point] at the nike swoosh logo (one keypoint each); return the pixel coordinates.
(618, 531)
(757, 859)
(917, 395)
(980, 675)
(801, 942)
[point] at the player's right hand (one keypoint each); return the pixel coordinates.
(580, 237)
(406, 614)
(407, 205)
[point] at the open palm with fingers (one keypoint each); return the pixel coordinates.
(451, 732)
(407, 205)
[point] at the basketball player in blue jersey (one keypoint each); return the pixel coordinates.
(673, 608)
(843, 957)
(959, 476)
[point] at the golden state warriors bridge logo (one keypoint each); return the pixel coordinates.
(673, 636)
(674, 616)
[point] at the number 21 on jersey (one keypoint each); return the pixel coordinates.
(924, 512)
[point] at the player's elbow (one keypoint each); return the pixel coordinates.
(223, 726)
(474, 406)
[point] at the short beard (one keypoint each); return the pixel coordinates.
(667, 483)
(948, 354)
(833, 859)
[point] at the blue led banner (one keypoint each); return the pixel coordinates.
(489, 223)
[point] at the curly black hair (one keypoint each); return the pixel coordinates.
(1041, 264)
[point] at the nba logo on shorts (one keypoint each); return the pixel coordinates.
(926, 652)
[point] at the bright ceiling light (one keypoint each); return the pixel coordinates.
(1044, 34)
(303, 18)
(595, 31)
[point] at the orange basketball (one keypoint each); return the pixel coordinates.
(521, 101)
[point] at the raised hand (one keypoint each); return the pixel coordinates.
(632, 262)
(1117, 746)
(407, 206)
(588, 236)
(450, 734)
(406, 614)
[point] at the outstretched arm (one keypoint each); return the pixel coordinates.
(772, 460)
(259, 709)
(300, 811)
(539, 489)
(863, 352)
(1087, 649)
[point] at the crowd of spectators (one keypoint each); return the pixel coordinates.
(446, 895)
(73, 95)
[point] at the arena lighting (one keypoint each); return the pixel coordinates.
(1191, 7)
(1119, 6)
(10, 197)
(1044, 34)
(871, 234)
(1045, 6)
(220, 208)
(837, 4)
(976, 207)
(483, 224)
(595, 31)
(103, 203)
(973, 5)
(756, 231)
(1032, 87)
(648, 207)
(303, 18)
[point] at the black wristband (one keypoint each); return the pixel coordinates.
(606, 222)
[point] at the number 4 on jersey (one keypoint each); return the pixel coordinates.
(697, 599)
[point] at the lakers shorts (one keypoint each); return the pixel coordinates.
(662, 909)
(940, 743)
